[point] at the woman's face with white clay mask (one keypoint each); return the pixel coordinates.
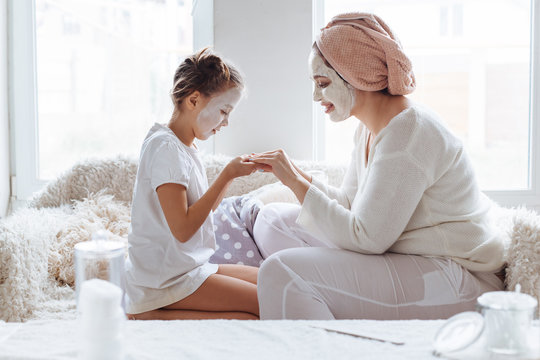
(216, 113)
(335, 95)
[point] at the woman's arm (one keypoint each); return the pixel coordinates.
(299, 181)
(392, 192)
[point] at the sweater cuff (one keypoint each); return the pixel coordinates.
(317, 183)
(305, 218)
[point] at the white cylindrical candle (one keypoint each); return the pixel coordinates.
(101, 321)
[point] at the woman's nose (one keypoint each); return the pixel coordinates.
(317, 96)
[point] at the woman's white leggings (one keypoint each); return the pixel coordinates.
(304, 278)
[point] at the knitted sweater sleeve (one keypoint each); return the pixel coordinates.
(344, 194)
(380, 212)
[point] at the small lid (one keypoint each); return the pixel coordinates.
(99, 246)
(507, 300)
(458, 332)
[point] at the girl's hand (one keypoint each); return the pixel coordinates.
(283, 168)
(279, 163)
(241, 166)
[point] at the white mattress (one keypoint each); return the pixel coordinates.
(232, 339)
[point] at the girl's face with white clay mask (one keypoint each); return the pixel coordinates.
(335, 95)
(216, 113)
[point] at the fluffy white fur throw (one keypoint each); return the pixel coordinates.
(523, 255)
(36, 243)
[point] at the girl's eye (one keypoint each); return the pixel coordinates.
(322, 85)
(223, 112)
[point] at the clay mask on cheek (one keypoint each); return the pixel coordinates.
(211, 117)
(337, 92)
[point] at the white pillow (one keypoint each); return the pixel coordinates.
(275, 192)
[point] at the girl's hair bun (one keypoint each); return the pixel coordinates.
(205, 72)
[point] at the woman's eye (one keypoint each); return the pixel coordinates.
(322, 85)
(223, 112)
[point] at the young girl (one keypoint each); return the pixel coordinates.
(168, 275)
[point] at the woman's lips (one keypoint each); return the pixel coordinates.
(328, 107)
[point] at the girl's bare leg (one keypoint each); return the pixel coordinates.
(161, 314)
(242, 272)
(224, 295)
(221, 293)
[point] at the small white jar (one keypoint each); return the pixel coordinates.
(507, 320)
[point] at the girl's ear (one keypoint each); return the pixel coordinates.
(193, 99)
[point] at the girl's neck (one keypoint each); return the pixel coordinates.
(180, 127)
(378, 109)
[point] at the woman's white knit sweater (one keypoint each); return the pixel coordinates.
(417, 194)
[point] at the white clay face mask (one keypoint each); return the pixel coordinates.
(338, 96)
(216, 113)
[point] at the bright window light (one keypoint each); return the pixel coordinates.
(104, 71)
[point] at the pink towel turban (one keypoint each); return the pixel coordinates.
(365, 52)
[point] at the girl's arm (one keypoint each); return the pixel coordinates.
(184, 220)
(220, 195)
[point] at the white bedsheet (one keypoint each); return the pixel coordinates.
(231, 339)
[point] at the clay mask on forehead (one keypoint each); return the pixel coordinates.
(337, 93)
(216, 112)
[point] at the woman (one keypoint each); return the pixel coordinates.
(408, 233)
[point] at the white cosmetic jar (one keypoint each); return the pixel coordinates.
(507, 320)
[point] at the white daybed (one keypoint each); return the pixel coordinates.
(37, 309)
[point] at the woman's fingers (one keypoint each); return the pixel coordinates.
(267, 153)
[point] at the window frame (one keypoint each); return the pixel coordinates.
(23, 98)
(507, 198)
(24, 117)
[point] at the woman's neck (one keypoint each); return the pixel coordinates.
(179, 125)
(375, 109)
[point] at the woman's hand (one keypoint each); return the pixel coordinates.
(283, 168)
(279, 163)
(241, 166)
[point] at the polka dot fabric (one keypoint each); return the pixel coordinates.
(233, 226)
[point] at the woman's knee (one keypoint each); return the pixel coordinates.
(273, 230)
(274, 216)
(278, 270)
(272, 274)
(268, 268)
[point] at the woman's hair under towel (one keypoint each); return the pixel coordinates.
(365, 52)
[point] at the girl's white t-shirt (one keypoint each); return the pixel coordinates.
(160, 270)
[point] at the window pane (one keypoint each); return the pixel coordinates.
(104, 71)
(471, 60)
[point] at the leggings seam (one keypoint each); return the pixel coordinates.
(317, 285)
(295, 277)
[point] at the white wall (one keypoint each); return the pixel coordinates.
(256, 36)
(4, 123)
